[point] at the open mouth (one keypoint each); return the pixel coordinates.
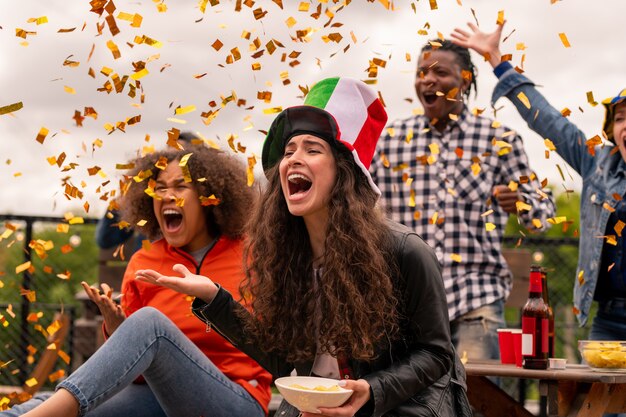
(298, 183)
(429, 97)
(173, 219)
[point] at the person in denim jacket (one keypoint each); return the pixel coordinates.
(601, 270)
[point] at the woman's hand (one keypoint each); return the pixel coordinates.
(111, 311)
(486, 44)
(357, 400)
(190, 284)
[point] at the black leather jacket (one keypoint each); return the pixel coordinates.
(416, 375)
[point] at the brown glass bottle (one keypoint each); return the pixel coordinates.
(535, 324)
(546, 299)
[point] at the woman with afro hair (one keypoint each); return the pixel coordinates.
(192, 204)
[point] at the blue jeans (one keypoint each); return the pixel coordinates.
(182, 381)
(610, 324)
(475, 332)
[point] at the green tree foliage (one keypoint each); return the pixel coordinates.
(56, 272)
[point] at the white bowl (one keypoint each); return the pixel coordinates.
(313, 395)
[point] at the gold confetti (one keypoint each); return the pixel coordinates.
(564, 40)
(185, 110)
(209, 201)
(490, 226)
(433, 4)
(38, 20)
(500, 20)
(549, 144)
(41, 136)
(619, 226)
(139, 74)
(590, 99)
(456, 257)
(23, 267)
(272, 110)
(522, 97)
(183, 165)
(521, 206)
(31, 382)
(250, 170)
(557, 220)
(114, 49)
(11, 108)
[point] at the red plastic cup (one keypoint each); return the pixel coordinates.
(517, 346)
(507, 352)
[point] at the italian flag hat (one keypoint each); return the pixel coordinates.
(339, 110)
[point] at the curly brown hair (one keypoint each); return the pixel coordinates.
(352, 308)
(220, 174)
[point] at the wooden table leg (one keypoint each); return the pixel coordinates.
(618, 399)
(597, 400)
(488, 399)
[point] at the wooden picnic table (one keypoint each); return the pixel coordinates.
(575, 391)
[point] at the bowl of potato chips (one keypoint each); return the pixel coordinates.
(308, 393)
(604, 356)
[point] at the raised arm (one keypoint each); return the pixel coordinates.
(538, 113)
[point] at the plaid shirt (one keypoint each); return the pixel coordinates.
(440, 184)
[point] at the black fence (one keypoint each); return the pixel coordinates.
(42, 261)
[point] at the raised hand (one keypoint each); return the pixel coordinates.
(111, 311)
(486, 44)
(190, 284)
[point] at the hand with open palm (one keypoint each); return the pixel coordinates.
(111, 311)
(189, 283)
(486, 44)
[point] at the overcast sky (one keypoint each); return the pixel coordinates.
(189, 70)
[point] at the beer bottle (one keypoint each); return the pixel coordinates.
(546, 299)
(535, 324)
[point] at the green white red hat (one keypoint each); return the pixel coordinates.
(609, 104)
(339, 110)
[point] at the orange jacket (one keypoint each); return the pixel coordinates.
(223, 264)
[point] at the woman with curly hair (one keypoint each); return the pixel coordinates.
(336, 290)
(192, 204)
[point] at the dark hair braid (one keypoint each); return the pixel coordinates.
(463, 58)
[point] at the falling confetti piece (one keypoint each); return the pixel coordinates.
(11, 108)
(41, 136)
(456, 257)
(590, 99)
(185, 110)
(114, 49)
(522, 97)
(500, 20)
(139, 74)
(490, 226)
(23, 267)
(564, 40)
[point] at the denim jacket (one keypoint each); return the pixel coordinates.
(602, 175)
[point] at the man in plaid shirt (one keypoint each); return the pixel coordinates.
(454, 178)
